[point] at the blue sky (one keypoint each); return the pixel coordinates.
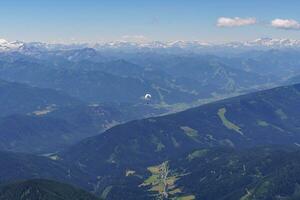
(141, 20)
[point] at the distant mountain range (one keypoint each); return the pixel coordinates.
(169, 81)
(193, 46)
(176, 77)
(93, 76)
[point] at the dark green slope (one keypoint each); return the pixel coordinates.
(43, 190)
(223, 174)
(22, 98)
(263, 173)
(267, 117)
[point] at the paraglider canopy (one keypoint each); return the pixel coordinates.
(147, 96)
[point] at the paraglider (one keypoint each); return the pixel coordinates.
(147, 98)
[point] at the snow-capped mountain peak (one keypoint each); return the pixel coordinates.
(193, 46)
(3, 41)
(275, 42)
(8, 46)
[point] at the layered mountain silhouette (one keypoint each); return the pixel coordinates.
(76, 117)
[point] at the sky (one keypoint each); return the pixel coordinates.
(68, 21)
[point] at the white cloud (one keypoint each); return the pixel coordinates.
(134, 38)
(289, 24)
(236, 21)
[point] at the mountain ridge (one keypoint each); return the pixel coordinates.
(264, 43)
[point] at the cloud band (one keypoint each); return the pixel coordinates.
(288, 24)
(235, 22)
